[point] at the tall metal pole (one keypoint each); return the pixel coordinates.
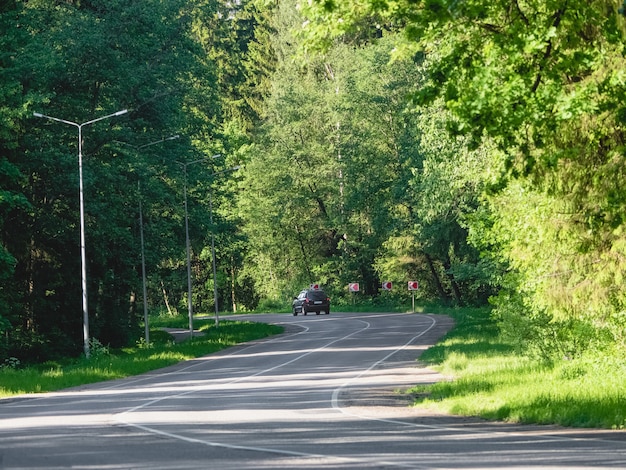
(146, 319)
(143, 272)
(188, 246)
(217, 315)
(83, 257)
(189, 284)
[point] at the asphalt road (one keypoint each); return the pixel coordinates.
(324, 395)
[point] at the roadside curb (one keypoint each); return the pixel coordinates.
(182, 334)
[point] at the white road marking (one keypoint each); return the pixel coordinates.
(122, 418)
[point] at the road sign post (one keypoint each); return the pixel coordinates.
(413, 286)
(353, 287)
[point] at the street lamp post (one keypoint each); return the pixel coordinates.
(188, 250)
(143, 271)
(188, 244)
(137, 148)
(83, 257)
(187, 241)
(217, 316)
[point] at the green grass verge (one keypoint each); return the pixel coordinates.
(489, 379)
(107, 365)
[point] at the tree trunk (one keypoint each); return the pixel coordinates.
(132, 303)
(433, 271)
(165, 299)
(455, 286)
(30, 270)
(232, 284)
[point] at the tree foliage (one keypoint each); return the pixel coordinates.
(543, 83)
(78, 61)
(337, 179)
(477, 147)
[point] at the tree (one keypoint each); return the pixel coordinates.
(13, 202)
(314, 212)
(543, 81)
(78, 60)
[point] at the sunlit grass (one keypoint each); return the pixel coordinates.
(490, 380)
(163, 352)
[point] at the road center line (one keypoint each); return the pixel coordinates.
(120, 418)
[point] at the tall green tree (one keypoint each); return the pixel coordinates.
(544, 81)
(13, 202)
(327, 185)
(237, 38)
(78, 61)
(441, 196)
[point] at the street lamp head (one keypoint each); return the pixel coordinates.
(139, 147)
(119, 113)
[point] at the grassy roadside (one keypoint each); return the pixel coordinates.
(107, 365)
(493, 381)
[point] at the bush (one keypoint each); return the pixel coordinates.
(538, 333)
(274, 305)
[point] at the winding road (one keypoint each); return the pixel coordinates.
(323, 395)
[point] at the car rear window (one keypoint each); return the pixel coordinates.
(317, 295)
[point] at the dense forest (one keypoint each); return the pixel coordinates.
(475, 147)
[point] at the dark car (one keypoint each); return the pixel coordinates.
(311, 300)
